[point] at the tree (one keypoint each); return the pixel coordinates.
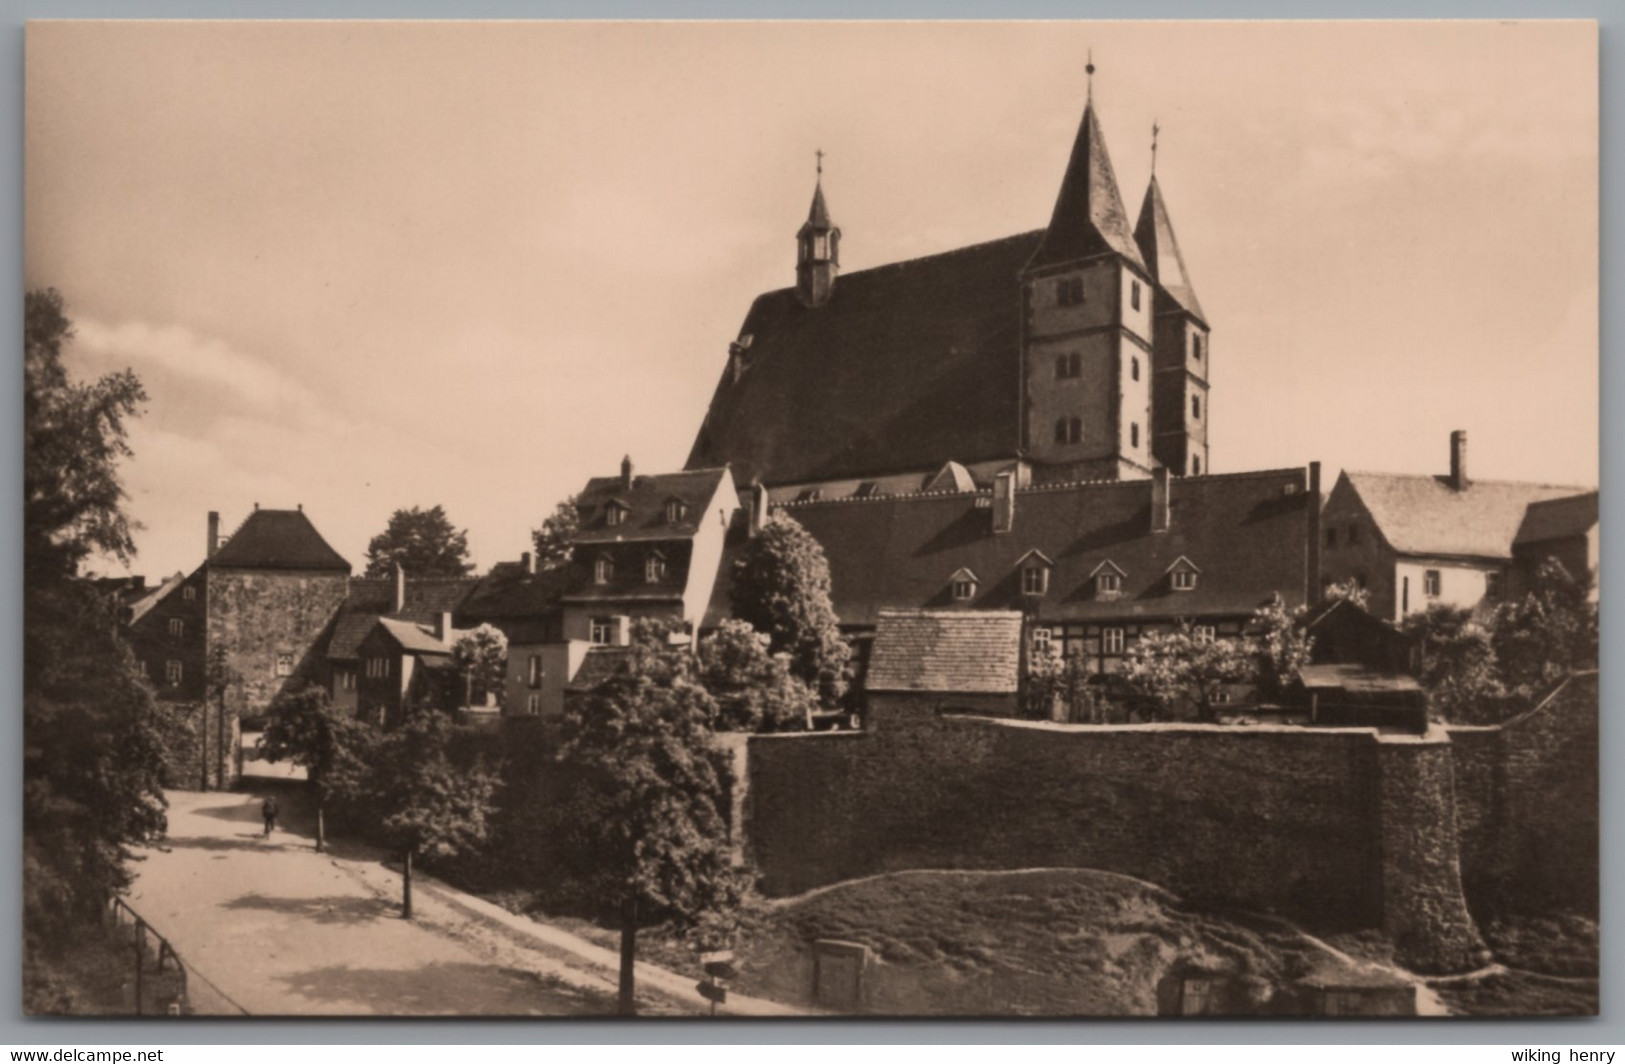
(334, 748)
(782, 587)
(555, 539)
(654, 793)
(422, 542)
(1548, 634)
(1055, 681)
(481, 656)
(1169, 671)
(1282, 644)
(1349, 590)
(1458, 664)
(93, 755)
(755, 689)
(431, 807)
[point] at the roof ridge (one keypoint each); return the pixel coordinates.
(847, 275)
(1579, 489)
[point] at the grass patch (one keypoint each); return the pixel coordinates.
(92, 973)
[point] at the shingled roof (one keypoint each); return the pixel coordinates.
(413, 638)
(949, 651)
(278, 539)
(905, 365)
(643, 506)
(1154, 233)
(1427, 516)
(1247, 533)
(370, 599)
(1089, 218)
(1574, 515)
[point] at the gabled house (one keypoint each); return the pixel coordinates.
(401, 597)
(403, 665)
(1561, 529)
(1413, 541)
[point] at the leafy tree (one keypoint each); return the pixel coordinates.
(1172, 670)
(1458, 664)
(782, 587)
(755, 689)
(653, 793)
(1549, 634)
(1349, 590)
(432, 807)
(334, 748)
(481, 656)
(1281, 643)
(422, 542)
(92, 729)
(1054, 681)
(555, 538)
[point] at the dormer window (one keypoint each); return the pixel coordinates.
(615, 513)
(1108, 578)
(964, 585)
(1183, 574)
(676, 510)
(810, 495)
(602, 570)
(654, 568)
(1035, 569)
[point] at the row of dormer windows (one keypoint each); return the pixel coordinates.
(1108, 579)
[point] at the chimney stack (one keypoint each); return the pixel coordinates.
(442, 626)
(1159, 499)
(626, 473)
(1458, 460)
(400, 589)
(1004, 500)
(758, 508)
(527, 562)
(214, 533)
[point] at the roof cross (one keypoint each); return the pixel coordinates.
(1154, 131)
(820, 154)
(1089, 69)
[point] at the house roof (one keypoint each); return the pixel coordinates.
(1248, 532)
(278, 539)
(969, 652)
(644, 503)
(369, 599)
(1574, 515)
(509, 593)
(143, 605)
(1425, 515)
(904, 365)
(1089, 218)
(1154, 234)
(412, 637)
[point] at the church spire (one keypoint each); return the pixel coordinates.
(818, 248)
(1154, 233)
(1089, 217)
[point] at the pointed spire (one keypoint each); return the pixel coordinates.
(1089, 216)
(818, 213)
(818, 247)
(1154, 233)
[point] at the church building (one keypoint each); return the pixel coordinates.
(1074, 352)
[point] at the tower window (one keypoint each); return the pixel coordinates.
(1134, 294)
(1196, 465)
(1134, 368)
(1134, 434)
(1069, 292)
(1068, 365)
(1196, 407)
(1196, 346)
(1069, 430)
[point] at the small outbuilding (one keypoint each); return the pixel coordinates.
(927, 662)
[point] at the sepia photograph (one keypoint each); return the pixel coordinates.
(754, 519)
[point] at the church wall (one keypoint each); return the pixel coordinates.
(1092, 396)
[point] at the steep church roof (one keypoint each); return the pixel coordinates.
(1154, 234)
(278, 539)
(905, 365)
(1089, 217)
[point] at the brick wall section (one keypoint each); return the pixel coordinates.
(1528, 802)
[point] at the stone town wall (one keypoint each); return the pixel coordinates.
(200, 749)
(261, 614)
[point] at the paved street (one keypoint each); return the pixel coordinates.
(282, 930)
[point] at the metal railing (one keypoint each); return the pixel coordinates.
(156, 963)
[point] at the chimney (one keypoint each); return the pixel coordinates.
(1004, 501)
(442, 626)
(527, 562)
(214, 533)
(758, 508)
(626, 473)
(400, 589)
(1159, 499)
(1458, 460)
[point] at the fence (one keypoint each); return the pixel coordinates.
(165, 984)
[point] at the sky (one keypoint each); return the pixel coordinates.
(372, 265)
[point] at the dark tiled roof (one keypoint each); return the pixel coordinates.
(143, 605)
(524, 605)
(905, 365)
(278, 539)
(1246, 532)
(1089, 218)
(946, 650)
(1558, 519)
(644, 506)
(1425, 515)
(1154, 234)
(370, 599)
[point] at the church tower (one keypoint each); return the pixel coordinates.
(818, 250)
(1180, 356)
(1087, 335)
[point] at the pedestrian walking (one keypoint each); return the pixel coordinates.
(268, 810)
